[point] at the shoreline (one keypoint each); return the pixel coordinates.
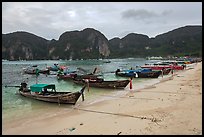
(171, 106)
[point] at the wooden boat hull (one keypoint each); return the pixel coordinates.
(55, 97)
(46, 71)
(162, 67)
(143, 73)
(66, 77)
(150, 74)
(130, 75)
(87, 76)
(61, 99)
(33, 72)
(105, 84)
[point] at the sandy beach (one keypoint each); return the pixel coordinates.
(171, 107)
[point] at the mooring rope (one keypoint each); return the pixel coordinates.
(119, 114)
(170, 92)
(130, 97)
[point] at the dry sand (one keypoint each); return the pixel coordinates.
(173, 106)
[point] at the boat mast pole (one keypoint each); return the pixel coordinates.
(37, 74)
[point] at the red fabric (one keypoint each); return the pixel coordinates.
(130, 83)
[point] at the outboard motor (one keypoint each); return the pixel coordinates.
(118, 70)
(23, 87)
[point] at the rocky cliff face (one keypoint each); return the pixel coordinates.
(85, 44)
(98, 40)
(181, 41)
(91, 44)
(132, 45)
(23, 45)
(178, 42)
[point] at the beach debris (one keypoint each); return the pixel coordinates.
(143, 118)
(119, 133)
(71, 129)
(81, 124)
(180, 76)
(131, 95)
(197, 131)
(153, 119)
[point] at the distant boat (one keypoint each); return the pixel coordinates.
(4, 60)
(55, 67)
(155, 58)
(158, 66)
(108, 61)
(33, 70)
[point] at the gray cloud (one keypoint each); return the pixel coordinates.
(142, 14)
(113, 19)
(138, 14)
(166, 12)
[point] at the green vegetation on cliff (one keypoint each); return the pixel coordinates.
(92, 44)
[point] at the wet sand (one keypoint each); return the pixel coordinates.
(173, 107)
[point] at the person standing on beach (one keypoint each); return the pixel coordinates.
(131, 83)
(162, 72)
(172, 70)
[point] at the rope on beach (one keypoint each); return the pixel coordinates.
(119, 114)
(127, 97)
(170, 92)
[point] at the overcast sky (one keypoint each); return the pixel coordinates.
(114, 19)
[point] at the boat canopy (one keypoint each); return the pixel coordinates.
(41, 87)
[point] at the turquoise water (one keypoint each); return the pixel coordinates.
(15, 106)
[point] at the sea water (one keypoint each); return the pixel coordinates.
(15, 107)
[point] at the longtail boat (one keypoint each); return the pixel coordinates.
(55, 67)
(33, 71)
(76, 76)
(149, 74)
(160, 67)
(47, 92)
(126, 73)
(69, 76)
(100, 83)
(138, 73)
